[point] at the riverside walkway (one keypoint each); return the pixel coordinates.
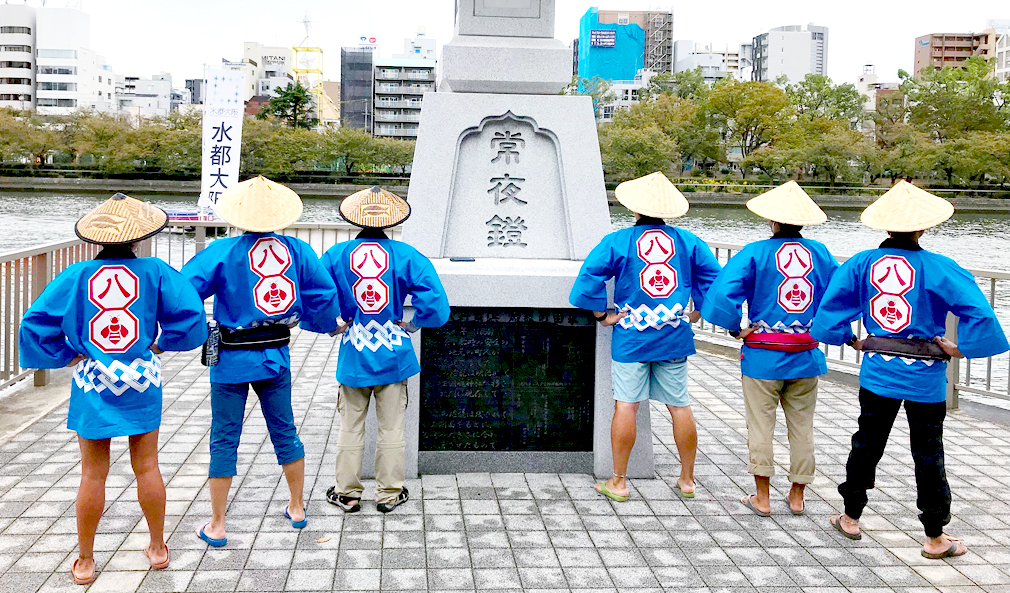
(531, 532)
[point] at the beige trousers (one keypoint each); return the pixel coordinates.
(762, 398)
(390, 409)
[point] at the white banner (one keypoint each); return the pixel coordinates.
(222, 133)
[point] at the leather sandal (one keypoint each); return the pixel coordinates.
(82, 580)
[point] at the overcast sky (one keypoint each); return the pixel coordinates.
(180, 36)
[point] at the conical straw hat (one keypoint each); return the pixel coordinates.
(906, 208)
(652, 195)
(787, 204)
(259, 205)
(374, 208)
(121, 219)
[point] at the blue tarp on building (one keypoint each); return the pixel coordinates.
(611, 56)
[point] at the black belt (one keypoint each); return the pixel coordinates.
(260, 337)
(916, 348)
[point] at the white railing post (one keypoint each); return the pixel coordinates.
(954, 366)
(41, 275)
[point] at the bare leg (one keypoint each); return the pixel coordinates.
(90, 498)
(150, 490)
(796, 502)
(219, 488)
(294, 472)
(622, 439)
(762, 498)
(685, 434)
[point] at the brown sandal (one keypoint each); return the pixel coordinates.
(160, 565)
(79, 580)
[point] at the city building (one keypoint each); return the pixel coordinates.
(714, 63)
(792, 51)
(874, 91)
(418, 47)
(626, 93)
(400, 84)
(70, 75)
(1002, 72)
(939, 50)
(196, 90)
(17, 56)
(141, 97)
(616, 44)
(356, 82)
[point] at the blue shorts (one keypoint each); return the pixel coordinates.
(663, 381)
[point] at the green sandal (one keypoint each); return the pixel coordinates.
(601, 487)
(681, 491)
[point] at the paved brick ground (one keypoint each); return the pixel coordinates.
(504, 531)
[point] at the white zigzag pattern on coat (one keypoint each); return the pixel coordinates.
(644, 317)
(795, 327)
(91, 375)
(374, 336)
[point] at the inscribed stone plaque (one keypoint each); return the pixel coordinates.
(496, 379)
(507, 198)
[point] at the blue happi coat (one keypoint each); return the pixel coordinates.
(110, 310)
(258, 279)
(900, 290)
(782, 279)
(656, 269)
(375, 274)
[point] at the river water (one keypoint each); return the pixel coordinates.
(980, 241)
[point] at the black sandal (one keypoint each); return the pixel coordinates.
(837, 524)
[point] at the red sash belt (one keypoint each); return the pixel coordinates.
(781, 342)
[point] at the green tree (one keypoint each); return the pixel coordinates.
(950, 102)
(748, 114)
(680, 120)
(293, 105)
(395, 153)
(353, 147)
(688, 84)
(630, 152)
(599, 89)
(817, 97)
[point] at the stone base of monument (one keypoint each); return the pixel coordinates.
(517, 381)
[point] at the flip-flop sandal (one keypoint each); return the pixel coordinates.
(601, 487)
(747, 502)
(802, 511)
(216, 543)
(297, 524)
(683, 494)
(159, 565)
(837, 524)
(77, 579)
(948, 553)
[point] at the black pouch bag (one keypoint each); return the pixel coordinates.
(255, 338)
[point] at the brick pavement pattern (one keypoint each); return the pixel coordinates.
(504, 532)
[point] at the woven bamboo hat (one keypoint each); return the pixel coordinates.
(906, 208)
(374, 208)
(787, 204)
(652, 195)
(120, 220)
(259, 205)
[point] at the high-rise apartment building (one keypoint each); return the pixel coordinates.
(792, 51)
(616, 44)
(70, 75)
(939, 50)
(17, 56)
(400, 84)
(196, 87)
(356, 82)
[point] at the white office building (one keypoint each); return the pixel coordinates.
(715, 63)
(626, 94)
(17, 56)
(70, 75)
(418, 47)
(792, 51)
(141, 97)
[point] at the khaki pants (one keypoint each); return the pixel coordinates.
(798, 397)
(390, 409)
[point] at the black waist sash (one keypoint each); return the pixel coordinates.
(255, 338)
(916, 348)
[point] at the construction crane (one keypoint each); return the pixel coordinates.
(307, 64)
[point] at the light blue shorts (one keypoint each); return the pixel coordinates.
(663, 381)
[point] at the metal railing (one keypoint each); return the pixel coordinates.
(25, 274)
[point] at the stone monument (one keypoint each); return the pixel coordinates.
(508, 198)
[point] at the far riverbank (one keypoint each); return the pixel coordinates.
(139, 187)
